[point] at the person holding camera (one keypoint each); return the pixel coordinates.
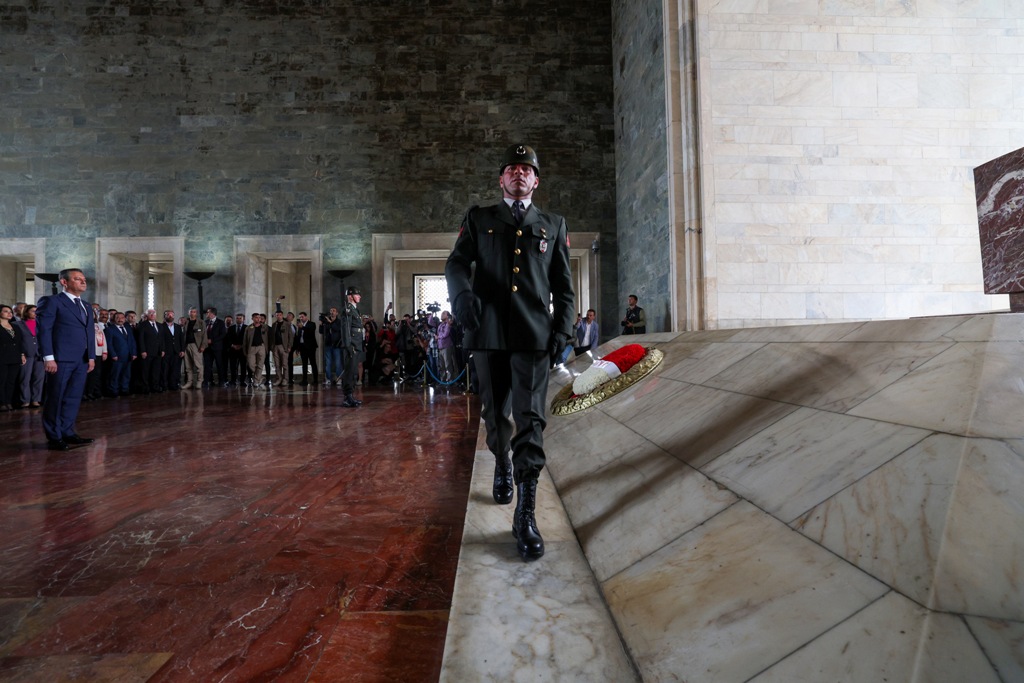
(521, 259)
(352, 344)
(330, 329)
(634, 322)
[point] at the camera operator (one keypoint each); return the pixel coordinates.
(405, 341)
(330, 328)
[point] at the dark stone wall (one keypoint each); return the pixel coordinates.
(641, 181)
(214, 118)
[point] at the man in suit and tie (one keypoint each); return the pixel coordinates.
(172, 336)
(151, 352)
(213, 356)
(233, 353)
(305, 344)
(67, 341)
(121, 352)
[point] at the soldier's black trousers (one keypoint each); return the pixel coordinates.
(513, 393)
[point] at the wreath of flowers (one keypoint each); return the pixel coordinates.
(606, 377)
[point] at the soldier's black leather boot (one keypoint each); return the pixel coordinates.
(503, 486)
(524, 523)
(350, 402)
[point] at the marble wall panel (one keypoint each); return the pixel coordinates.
(999, 191)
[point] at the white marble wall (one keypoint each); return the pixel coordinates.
(125, 278)
(838, 142)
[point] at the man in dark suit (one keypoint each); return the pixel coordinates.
(172, 339)
(67, 341)
(521, 255)
(305, 344)
(121, 352)
(237, 368)
(150, 352)
(214, 353)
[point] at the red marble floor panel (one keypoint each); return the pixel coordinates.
(237, 536)
(383, 647)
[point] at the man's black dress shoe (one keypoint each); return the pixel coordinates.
(57, 445)
(77, 440)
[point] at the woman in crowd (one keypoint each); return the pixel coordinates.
(32, 371)
(11, 358)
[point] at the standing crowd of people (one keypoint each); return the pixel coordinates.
(147, 354)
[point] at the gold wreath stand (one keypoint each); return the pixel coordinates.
(565, 403)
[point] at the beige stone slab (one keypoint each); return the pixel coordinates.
(582, 443)
(530, 621)
(830, 376)
(892, 639)
(795, 333)
(991, 327)
(488, 522)
(972, 389)
(732, 597)
(697, 362)
(807, 457)
(694, 423)
(1003, 643)
(941, 523)
(981, 566)
(912, 330)
(637, 504)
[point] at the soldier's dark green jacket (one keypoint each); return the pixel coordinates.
(519, 271)
(352, 331)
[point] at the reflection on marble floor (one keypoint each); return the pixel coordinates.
(819, 503)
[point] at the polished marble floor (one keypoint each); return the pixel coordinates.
(232, 535)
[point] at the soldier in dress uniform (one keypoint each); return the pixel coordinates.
(522, 266)
(351, 346)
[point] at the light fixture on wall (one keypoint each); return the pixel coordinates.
(341, 275)
(52, 278)
(199, 277)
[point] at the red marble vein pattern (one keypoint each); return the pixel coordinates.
(999, 192)
(221, 535)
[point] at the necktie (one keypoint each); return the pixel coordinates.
(81, 309)
(122, 330)
(517, 211)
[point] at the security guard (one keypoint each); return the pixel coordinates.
(351, 345)
(521, 255)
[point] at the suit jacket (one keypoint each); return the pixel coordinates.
(148, 338)
(120, 344)
(595, 333)
(29, 343)
(287, 336)
(518, 271)
(200, 334)
(11, 347)
(216, 334)
(308, 337)
(61, 331)
(235, 335)
(250, 332)
(173, 342)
